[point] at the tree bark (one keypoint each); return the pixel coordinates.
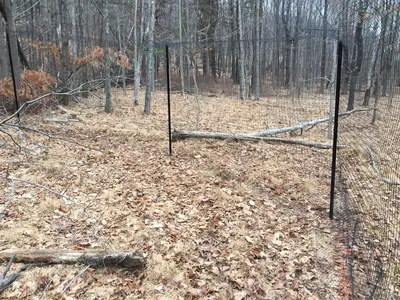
(4, 72)
(181, 64)
(358, 53)
(285, 20)
(6, 8)
(74, 41)
(125, 260)
(64, 50)
(241, 53)
(371, 70)
(323, 58)
(106, 56)
(150, 60)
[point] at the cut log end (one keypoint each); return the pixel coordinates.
(124, 260)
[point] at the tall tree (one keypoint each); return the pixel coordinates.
(324, 37)
(3, 55)
(6, 9)
(255, 81)
(242, 78)
(138, 48)
(150, 58)
(74, 42)
(181, 65)
(106, 56)
(62, 6)
(358, 53)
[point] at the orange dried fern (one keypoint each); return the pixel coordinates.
(33, 85)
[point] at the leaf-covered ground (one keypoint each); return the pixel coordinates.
(217, 220)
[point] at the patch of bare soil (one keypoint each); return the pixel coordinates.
(217, 220)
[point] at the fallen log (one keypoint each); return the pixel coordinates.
(304, 125)
(182, 135)
(123, 260)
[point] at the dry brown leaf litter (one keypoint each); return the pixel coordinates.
(218, 220)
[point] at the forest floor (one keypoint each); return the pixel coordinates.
(217, 220)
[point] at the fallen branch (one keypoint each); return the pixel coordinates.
(182, 135)
(21, 127)
(124, 260)
(376, 169)
(62, 120)
(62, 194)
(303, 126)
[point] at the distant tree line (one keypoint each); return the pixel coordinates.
(256, 44)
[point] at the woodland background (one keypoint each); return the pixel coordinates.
(68, 43)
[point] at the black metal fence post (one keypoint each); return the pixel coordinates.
(169, 100)
(335, 128)
(13, 76)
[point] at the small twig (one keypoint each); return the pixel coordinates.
(52, 136)
(74, 279)
(375, 167)
(12, 139)
(7, 268)
(46, 288)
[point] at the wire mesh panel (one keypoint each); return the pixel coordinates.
(252, 86)
(215, 92)
(368, 195)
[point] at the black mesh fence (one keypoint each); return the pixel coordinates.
(368, 195)
(294, 103)
(215, 87)
(214, 90)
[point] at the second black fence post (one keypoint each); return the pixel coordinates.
(335, 128)
(169, 100)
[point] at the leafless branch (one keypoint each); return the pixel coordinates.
(7, 268)
(307, 124)
(51, 136)
(376, 169)
(62, 195)
(74, 279)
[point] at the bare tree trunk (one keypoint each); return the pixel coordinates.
(288, 42)
(358, 53)
(150, 60)
(73, 40)
(122, 51)
(241, 53)
(181, 64)
(295, 46)
(64, 50)
(106, 57)
(136, 58)
(234, 72)
(7, 12)
(371, 69)
(257, 52)
(3, 57)
(323, 58)
(346, 54)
